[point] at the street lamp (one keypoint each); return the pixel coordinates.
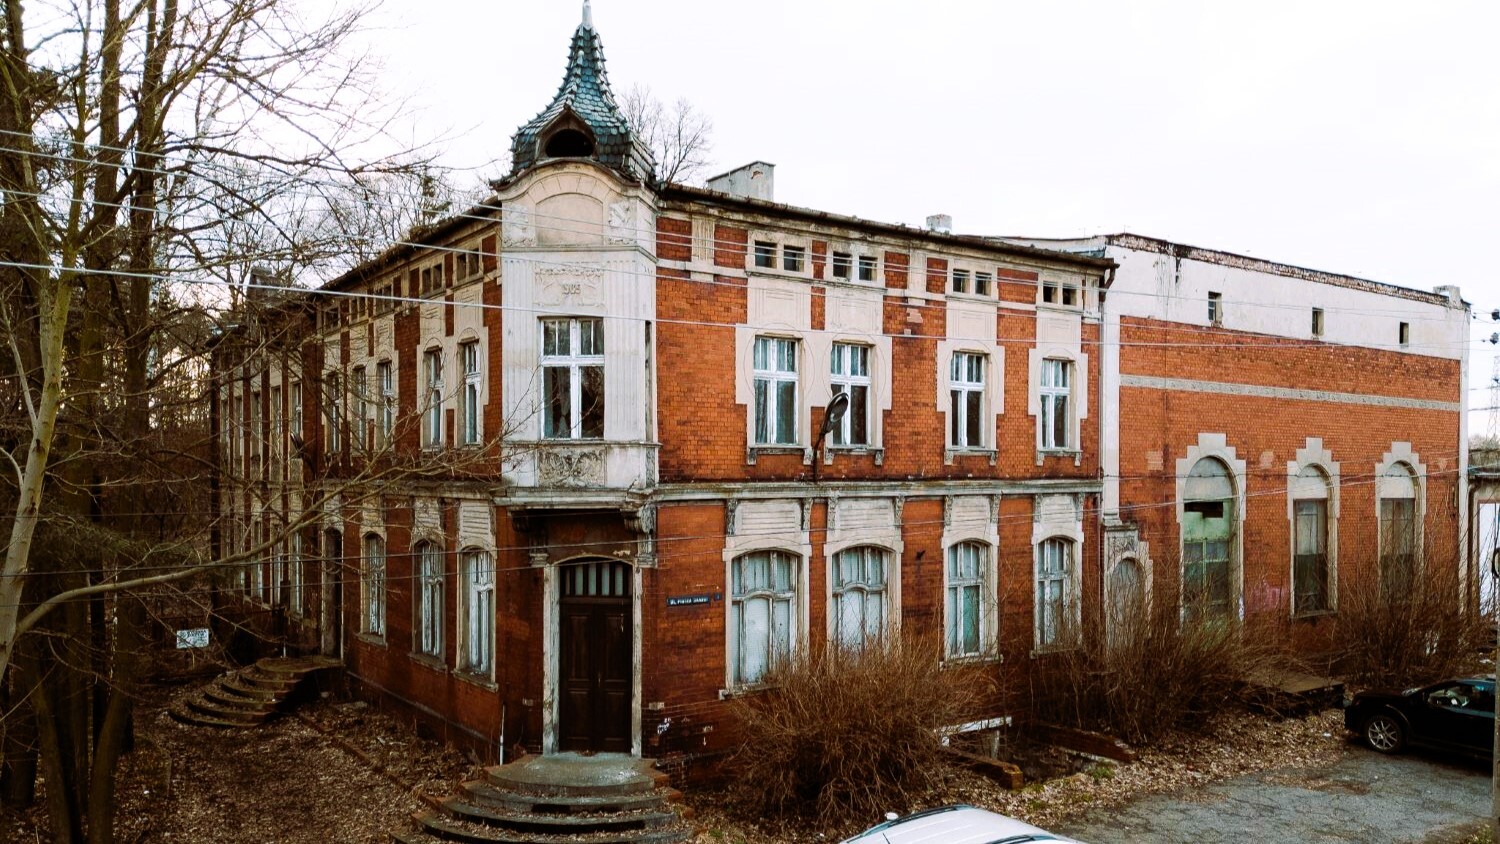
(837, 407)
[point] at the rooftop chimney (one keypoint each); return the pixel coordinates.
(940, 223)
(756, 180)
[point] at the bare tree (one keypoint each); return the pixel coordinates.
(150, 152)
(679, 135)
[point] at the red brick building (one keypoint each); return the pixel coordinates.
(572, 479)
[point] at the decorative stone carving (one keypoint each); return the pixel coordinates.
(947, 511)
(833, 511)
(622, 222)
(731, 516)
(573, 285)
(995, 510)
(807, 505)
(517, 228)
(573, 468)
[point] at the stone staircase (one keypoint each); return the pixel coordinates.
(249, 696)
(556, 799)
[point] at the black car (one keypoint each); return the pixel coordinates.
(1451, 715)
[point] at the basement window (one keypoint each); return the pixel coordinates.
(765, 254)
(1215, 308)
(1405, 333)
(1317, 322)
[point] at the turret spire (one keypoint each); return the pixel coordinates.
(588, 15)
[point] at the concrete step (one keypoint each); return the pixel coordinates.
(234, 684)
(217, 694)
(182, 715)
(432, 825)
(483, 793)
(570, 823)
(565, 776)
(248, 718)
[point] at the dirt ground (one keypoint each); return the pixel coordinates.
(339, 771)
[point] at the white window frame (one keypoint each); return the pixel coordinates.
(432, 371)
(473, 364)
(372, 585)
(865, 588)
(477, 575)
(778, 643)
(843, 377)
(867, 262)
(295, 572)
(385, 375)
(1056, 567)
(960, 387)
(427, 629)
(770, 374)
(332, 398)
(575, 362)
(359, 393)
(296, 422)
(956, 614)
(1052, 397)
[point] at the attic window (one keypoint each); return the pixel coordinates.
(570, 143)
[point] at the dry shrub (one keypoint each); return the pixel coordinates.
(1156, 674)
(1416, 635)
(845, 734)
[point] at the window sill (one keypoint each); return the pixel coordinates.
(1042, 454)
(829, 452)
(433, 662)
(480, 680)
(1043, 651)
(372, 639)
(755, 451)
(950, 454)
(744, 691)
(1313, 615)
(776, 272)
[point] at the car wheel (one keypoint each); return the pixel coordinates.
(1384, 733)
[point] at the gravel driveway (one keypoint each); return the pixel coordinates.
(1362, 797)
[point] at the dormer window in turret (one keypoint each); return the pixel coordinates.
(568, 137)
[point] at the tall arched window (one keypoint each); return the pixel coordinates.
(478, 580)
(1310, 563)
(1054, 598)
(762, 613)
(372, 585)
(1127, 602)
(1397, 487)
(428, 621)
(1208, 525)
(859, 590)
(967, 593)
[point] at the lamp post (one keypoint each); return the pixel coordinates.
(837, 407)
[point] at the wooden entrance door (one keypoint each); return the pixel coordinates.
(596, 666)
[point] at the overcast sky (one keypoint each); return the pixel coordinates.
(1355, 137)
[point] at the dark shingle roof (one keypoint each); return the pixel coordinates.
(585, 94)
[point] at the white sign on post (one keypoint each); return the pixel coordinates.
(195, 638)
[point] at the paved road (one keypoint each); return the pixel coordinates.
(1364, 797)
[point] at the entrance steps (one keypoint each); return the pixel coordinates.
(250, 696)
(556, 799)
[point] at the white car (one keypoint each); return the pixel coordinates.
(954, 825)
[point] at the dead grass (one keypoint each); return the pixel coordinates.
(849, 734)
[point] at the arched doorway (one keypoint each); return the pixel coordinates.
(595, 656)
(331, 589)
